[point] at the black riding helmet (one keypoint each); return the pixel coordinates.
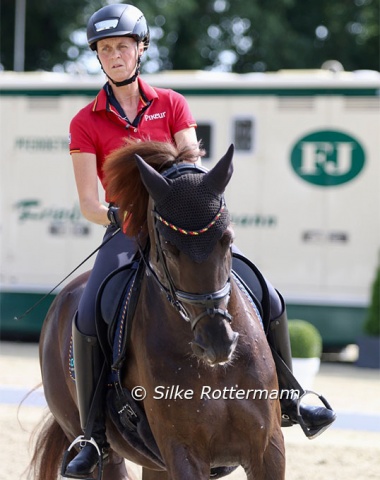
(118, 21)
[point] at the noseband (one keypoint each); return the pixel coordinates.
(210, 302)
(178, 298)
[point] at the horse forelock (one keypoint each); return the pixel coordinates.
(123, 182)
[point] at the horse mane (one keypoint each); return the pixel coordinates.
(123, 182)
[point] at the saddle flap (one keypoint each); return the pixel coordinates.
(112, 298)
(112, 292)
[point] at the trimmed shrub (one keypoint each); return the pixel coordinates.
(371, 325)
(305, 339)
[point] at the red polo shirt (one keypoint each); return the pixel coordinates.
(98, 128)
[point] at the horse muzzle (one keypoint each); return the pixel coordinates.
(216, 352)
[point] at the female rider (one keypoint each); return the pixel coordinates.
(127, 107)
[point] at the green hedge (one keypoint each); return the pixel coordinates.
(372, 323)
(305, 339)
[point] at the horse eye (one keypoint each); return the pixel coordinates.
(227, 238)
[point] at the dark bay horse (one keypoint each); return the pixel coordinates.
(196, 346)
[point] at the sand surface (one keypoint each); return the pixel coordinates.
(350, 450)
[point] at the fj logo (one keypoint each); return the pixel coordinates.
(327, 158)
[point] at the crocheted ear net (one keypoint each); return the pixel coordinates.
(191, 205)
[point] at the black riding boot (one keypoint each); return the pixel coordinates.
(87, 362)
(316, 419)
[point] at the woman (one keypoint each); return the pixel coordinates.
(128, 108)
(125, 108)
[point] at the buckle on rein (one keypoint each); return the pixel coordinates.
(311, 432)
(65, 461)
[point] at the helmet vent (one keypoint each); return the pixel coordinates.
(106, 24)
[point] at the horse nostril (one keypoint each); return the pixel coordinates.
(198, 349)
(204, 352)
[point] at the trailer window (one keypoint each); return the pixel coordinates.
(243, 134)
(204, 134)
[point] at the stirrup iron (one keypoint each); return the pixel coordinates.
(311, 432)
(82, 440)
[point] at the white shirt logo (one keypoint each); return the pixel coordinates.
(155, 116)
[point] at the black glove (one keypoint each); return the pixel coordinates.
(113, 216)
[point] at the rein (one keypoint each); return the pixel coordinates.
(30, 309)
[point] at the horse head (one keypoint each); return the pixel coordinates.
(190, 236)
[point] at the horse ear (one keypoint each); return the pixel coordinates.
(218, 177)
(156, 184)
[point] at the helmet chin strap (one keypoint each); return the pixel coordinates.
(128, 80)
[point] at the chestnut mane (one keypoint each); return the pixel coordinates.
(123, 182)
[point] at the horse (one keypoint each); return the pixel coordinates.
(197, 346)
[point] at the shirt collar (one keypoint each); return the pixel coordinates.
(147, 94)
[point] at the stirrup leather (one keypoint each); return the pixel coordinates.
(82, 440)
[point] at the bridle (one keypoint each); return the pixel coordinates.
(178, 298)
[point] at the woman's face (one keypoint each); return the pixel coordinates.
(118, 56)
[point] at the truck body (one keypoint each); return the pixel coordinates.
(304, 197)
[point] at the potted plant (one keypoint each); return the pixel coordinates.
(306, 343)
(369, 342)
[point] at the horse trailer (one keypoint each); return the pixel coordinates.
(304, 197)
